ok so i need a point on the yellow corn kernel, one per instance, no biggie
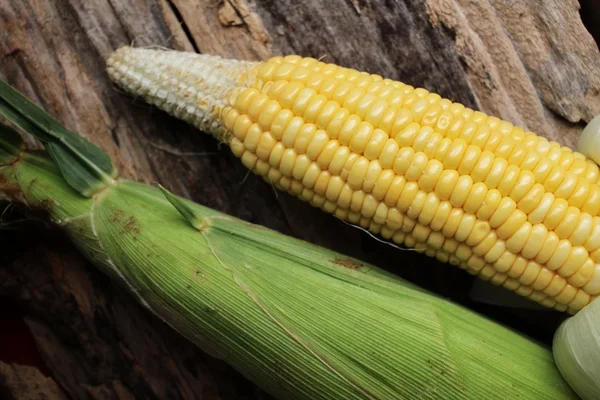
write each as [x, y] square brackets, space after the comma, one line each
[360, 137]
[268, 113]
[424, 137]
[383, 183]
[388, 154]
[265, 145]
[531, 273]
[417, 205]
[452, 223]
[517, 241]
[580, 300]
[416, 167]
[326, 114]
[592, 204]
[334, 188]
[301, 167]
[505, 262]
[310, 176]
[380, 215]
[489, 205]
[583, 230]
[483, 166]
[556, 213]
[394, 191]
[280, 123]
[441, 216]
[593, 285]
[516, 219]
[475, 198]
[374, 170]
[369, 206]
[583, 275]
[563, 296]
[317, 144]
[352, 158]
[242, 100]
[446, 183]
[339, 159]
[358, 172]
[504, 210]
[461, 191]
[256, 106]
[560, 255]
[304, 137]
[518, 267]
[567, 186]
[497, 170]
[465, 227]
[509, 180]
[531, 200]
[497, 250]
[427, 212]
[430, 175]
[293, 128]
[568, 224]
[486, 244]
[327, 154]
[302, 100]
[403, 160]
[432, 145]
[469, 160]
[249, 160]
[444, 121]
[394, 219]
[375, 145]
[237, 147]
[523, 185]
[288, 159]
[407, 196]
[314, 107]
[576, 258]
[262, 168]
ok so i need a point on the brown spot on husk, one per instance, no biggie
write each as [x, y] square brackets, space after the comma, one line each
[130, 226]
[347, 263]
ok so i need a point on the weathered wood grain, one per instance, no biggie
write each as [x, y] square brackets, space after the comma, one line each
[531, 62]
[27, 383]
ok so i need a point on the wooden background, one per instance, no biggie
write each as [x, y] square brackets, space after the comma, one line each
[529, 61]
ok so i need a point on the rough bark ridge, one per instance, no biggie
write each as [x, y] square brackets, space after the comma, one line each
[530, 62]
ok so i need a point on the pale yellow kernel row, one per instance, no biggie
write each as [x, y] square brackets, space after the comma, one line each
[429, 111]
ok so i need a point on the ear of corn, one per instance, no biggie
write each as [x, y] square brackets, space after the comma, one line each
[419, 170]
[300, 321]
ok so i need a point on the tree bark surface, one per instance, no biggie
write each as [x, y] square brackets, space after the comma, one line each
[531, 62]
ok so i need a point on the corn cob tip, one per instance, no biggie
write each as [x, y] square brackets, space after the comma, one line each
[193, 87]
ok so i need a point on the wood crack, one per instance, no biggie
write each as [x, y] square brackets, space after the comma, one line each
[183, 24]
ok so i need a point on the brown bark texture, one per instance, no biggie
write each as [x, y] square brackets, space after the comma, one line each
[528, 61]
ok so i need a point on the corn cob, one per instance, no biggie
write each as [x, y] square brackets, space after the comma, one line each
[419, 170]
[279, 310]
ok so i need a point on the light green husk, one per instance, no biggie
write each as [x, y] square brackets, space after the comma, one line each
[300, 321]
[576, 349]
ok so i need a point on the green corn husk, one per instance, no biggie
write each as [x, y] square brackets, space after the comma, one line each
[300, 321]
